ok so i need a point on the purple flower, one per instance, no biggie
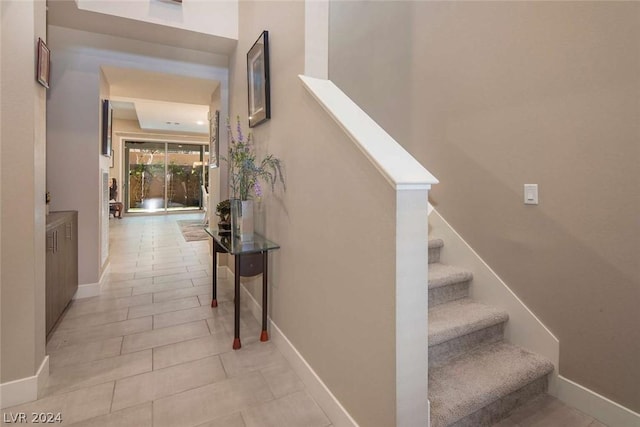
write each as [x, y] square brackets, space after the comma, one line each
[239, 129]
[257, 189]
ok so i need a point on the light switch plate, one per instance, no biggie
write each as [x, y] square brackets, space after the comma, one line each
[531, 194]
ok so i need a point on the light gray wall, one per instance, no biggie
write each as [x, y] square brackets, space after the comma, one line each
[332, 290]
[22, 192]
[74, 159]
[489, 96]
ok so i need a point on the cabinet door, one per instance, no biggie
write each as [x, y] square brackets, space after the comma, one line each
[52, 280]
[71, 257]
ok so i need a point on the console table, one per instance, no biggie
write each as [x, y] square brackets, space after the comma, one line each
[251, 259]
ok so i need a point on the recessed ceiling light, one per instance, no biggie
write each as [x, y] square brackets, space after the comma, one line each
[199, 122]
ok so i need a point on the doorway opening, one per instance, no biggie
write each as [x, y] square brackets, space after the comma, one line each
[164, 176]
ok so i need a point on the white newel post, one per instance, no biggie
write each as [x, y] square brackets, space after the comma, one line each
[411, 307]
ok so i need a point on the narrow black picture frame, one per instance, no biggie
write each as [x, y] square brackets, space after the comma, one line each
[43, 67]
[258, 87]
[106, 128]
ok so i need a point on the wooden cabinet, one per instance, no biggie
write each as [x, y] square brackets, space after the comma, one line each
[61, 264]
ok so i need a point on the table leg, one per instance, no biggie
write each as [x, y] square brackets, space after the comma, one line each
[264, 336]
[214, 280]
[236, 320]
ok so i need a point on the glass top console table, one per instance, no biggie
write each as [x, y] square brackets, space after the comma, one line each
[251, 259]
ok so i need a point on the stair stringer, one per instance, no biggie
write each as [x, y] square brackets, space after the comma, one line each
[523, 329]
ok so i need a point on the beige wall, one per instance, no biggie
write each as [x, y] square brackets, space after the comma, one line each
[331, 282]
[73, 132]
[22, 192]
[489, 96]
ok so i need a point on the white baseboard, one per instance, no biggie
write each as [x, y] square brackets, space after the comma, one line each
[88, 290]
[24, 390]
[599, 407]
[313, 383]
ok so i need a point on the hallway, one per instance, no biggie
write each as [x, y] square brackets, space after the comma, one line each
[149, 351]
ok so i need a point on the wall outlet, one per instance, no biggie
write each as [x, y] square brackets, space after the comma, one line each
[531, 194]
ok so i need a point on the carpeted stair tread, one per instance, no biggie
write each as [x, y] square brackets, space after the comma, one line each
[442, 275]
[461, 317]
[471, 381]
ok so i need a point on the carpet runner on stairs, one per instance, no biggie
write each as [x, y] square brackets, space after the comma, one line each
[475, 378]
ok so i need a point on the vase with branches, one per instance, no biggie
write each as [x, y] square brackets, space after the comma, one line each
[246, 171]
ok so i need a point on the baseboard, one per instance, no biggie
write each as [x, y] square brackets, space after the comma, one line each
[593, 404]
[314, 385]
[92, 289]
[88, 290]
[24, 390]
[523, 328]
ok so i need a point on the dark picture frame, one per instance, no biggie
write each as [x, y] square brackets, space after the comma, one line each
[259, 95]
[106, 128]
[43, 70]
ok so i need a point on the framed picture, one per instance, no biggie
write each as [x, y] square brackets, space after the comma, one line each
[106, 128]
[43, 71]
[258, 80]
[214, 140]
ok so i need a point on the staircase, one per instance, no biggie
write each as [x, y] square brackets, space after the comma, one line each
[475, 378]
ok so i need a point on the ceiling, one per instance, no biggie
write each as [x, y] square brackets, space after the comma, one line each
[160, 102]
[65, 13]
[162, 116]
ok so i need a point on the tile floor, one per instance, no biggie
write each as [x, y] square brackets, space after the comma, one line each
[547, 411]
[149, 351]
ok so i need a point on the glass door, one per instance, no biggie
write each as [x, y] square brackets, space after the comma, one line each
[184, 176]
[162, 176]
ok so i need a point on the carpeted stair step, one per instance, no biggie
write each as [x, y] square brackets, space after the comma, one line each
[447, 283]
[460, 326]
[480, 387]
[434, 250]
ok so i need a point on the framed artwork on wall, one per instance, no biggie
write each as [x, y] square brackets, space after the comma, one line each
[43, 71]
[214, 140]
[106, 128]
[258, 81]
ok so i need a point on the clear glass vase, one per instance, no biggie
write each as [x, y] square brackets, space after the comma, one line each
[242, 219]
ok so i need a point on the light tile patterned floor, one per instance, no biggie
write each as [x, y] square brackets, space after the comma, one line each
[149, 351]
[547, 411]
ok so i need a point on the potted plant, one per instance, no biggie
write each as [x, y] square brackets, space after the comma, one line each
[245, 173]
[223, 211]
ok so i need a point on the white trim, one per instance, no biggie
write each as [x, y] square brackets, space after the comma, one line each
[591, 403]
[314, 384]
[316, 39]
[26, 389]
[399, 168]
[523, 329]
[43, 375]
[411, 307]
[88, 290]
